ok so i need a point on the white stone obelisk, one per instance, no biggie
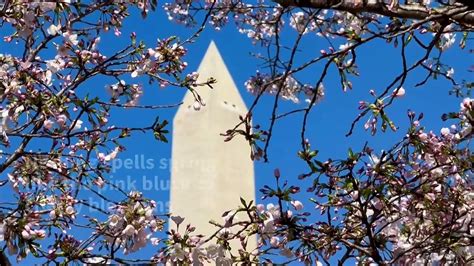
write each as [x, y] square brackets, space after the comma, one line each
[209, 175]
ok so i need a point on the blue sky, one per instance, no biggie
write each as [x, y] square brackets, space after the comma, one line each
[378, 64]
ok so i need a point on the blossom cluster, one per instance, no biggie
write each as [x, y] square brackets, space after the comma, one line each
[289, 89]
[132, 224]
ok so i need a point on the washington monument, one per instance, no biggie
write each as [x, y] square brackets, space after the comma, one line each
[209, 175]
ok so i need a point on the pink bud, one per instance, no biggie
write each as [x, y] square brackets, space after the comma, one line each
[276, 172]
[197, 106]
[117, 32]
[129, 230]
[177, 219]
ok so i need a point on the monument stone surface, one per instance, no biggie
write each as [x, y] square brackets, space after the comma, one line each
[208, 175]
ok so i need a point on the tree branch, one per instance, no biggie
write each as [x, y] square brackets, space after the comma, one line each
[4, 260]
[459, 13]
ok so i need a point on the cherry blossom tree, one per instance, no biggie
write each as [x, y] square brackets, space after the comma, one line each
[411, 203]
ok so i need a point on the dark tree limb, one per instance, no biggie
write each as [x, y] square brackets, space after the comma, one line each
[4, 260]
[461, 13]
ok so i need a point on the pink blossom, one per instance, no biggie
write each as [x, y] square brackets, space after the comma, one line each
[48, 124]
[61, 120]
[399, 92]
[274, 241]
[114, 220]
[445, 131]
[129, 230]
[423, 136]
[70, 210]
[154, 241]
[54, 30]
[25, 234]
[78, 125]
[297, 205]
[71, 38]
